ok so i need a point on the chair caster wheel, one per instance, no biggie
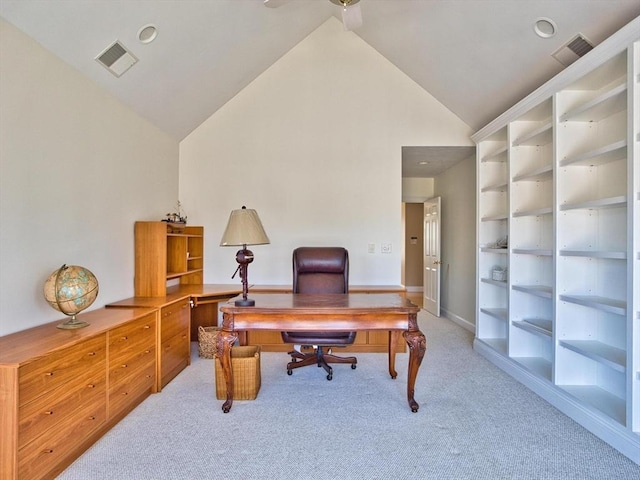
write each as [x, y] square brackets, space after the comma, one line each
[353, 366]
[289, 372]
[329, 377]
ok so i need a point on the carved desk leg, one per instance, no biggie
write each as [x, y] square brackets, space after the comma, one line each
[417, 347]
[393, 346]
[224, 342]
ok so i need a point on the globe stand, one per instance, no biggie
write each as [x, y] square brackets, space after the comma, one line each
[72, 324]
[70, 290]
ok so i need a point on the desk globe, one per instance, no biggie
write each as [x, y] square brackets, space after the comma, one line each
[71, 289]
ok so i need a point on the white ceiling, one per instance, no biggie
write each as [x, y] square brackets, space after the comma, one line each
[477, 57]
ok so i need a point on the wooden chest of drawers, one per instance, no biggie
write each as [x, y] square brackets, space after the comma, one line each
[60, 390]
[174, 326]
[61, 401]
[132, 363]
[175, 339]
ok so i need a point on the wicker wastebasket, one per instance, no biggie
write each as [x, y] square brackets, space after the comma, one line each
[207, 341]
[245, 362]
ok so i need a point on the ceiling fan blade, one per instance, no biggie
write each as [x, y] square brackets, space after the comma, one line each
[275, 3]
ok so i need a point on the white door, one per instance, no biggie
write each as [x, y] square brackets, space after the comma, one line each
[432, 256]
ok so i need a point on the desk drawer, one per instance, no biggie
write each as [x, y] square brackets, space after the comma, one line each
[46, 412]
[38, 458]
[175, 356]
[174, 319]
[127, 391]
[133, 336]
[124, 366]
[50, 372]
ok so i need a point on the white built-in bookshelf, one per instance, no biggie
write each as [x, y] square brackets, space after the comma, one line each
[558, 192]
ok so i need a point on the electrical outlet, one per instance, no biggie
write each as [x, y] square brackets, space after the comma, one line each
[371, 248]
[385, 247]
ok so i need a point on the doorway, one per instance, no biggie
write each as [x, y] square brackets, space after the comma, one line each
[413, 268]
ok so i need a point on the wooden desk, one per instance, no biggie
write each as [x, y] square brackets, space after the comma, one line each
[367, 341]
[204, 300]
[302, 312]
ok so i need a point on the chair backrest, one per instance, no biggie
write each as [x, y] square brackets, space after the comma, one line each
[320, 270]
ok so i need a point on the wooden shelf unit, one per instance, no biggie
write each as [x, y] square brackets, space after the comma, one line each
[567, 321]
[164, 252]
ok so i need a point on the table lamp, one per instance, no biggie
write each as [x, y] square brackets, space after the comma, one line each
[244, 228]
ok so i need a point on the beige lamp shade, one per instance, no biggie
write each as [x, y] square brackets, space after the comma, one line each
[244, 228]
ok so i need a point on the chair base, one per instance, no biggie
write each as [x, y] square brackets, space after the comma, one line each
[318, 357]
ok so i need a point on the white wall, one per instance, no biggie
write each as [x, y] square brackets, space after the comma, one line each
[457, 188]
[314, 144]
[417, 190]
[77, 168]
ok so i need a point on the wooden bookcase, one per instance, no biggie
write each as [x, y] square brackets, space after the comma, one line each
[164, 252]
[559, 176]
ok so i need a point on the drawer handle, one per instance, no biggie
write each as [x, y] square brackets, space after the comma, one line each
[92, 417]
[125, 393]
[124, 365]
[91, 354]
[146, 327]
[49, 412]
[91, 385]
[147, 351]
[125, 338]
[50, 450]
[48, 374]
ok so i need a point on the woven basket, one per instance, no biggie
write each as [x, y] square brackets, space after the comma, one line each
[207, 341]
[245, 362]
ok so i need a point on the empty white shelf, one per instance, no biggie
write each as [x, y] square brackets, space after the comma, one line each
[599, 156]
[603, 106]
[537, 290]
[603, 304]
[611, 202]
[499, 313]
[612, 357]
[540, 326]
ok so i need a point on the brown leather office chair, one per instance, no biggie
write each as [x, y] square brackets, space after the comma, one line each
[320, 270]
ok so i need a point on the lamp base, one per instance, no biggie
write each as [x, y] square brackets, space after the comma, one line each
[245, 302]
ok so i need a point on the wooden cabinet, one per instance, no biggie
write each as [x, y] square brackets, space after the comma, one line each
[163, 253]
[132, 363]
[61, 401]
[175, 339]
[174, 325]
[57, 387]
[559, 177]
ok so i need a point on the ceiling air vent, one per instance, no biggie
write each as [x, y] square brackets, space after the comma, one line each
[116, 58]
[575, 48]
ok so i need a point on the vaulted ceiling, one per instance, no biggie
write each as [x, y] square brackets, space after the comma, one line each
[477, 57]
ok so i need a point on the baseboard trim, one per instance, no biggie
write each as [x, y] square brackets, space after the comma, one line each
[417, 289]
[601, 426]
[467, 325]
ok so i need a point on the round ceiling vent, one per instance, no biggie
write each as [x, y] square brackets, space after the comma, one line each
[545, 27]
[148, 33]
